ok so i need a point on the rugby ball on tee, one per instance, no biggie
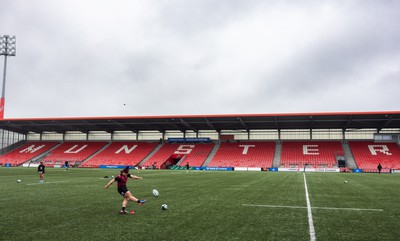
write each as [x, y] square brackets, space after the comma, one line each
[156, 193]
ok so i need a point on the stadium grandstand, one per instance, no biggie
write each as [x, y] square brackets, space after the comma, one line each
[340, 141]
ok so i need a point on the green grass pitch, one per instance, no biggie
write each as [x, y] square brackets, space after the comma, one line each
[203, 205]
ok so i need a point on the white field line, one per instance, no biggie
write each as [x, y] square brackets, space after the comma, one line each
[29, 184]
[351, 209]
[310, 219]
[326, 208]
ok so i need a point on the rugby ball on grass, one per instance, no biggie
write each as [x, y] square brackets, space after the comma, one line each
[164, 207]
[155, 193]
[18, 181]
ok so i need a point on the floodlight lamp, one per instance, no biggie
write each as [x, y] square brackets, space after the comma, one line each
[3, 38]
[12, 40]
[7, 45]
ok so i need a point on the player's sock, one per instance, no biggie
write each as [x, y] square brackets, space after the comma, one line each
[123, 209]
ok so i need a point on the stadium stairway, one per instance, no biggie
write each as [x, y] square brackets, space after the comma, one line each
[211, 155]
[23, 154]
[150, 155]
[181, 161]
[350, 162]
[97, 152]
[277, 155]
[43, 155]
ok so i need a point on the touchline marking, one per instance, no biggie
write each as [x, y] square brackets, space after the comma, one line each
[326, 208]
[29, 184]
[351, 209]
[310, 220]
[271, 206]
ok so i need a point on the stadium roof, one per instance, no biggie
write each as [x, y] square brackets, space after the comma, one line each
[329, 120]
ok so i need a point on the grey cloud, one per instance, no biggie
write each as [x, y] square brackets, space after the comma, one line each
[339, 61]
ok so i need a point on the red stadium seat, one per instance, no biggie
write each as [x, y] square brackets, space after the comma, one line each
[315, 153]
[368, 154]
[26, 152]
[244, 154]
[194, 154]
[72, 152]
[121, 153]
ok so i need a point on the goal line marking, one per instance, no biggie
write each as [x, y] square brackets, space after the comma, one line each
[325, 208]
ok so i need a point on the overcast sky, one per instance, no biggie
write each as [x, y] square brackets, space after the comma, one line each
[168, 57]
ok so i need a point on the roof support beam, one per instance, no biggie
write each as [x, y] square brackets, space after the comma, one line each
[390, 118]
[188, 125]
[211, 125]
[243, 124]
[348, 122]
[173, 124]
[276, 123]
[120, 124]
[311, 122]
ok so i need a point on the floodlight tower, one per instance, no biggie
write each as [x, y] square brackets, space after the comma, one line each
[7, 48]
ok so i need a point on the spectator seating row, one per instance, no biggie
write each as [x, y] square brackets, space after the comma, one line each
[367, 154]
[244, 154]
[198, 155]
[121, 153]
[194, 154]
[316, 154]
[26, 152]
[72, 152]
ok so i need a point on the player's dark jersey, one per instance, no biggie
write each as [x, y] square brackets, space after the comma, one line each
[121, 180]
[41, 168]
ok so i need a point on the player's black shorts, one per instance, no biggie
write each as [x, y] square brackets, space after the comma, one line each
[40, 172]
[122, 190]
